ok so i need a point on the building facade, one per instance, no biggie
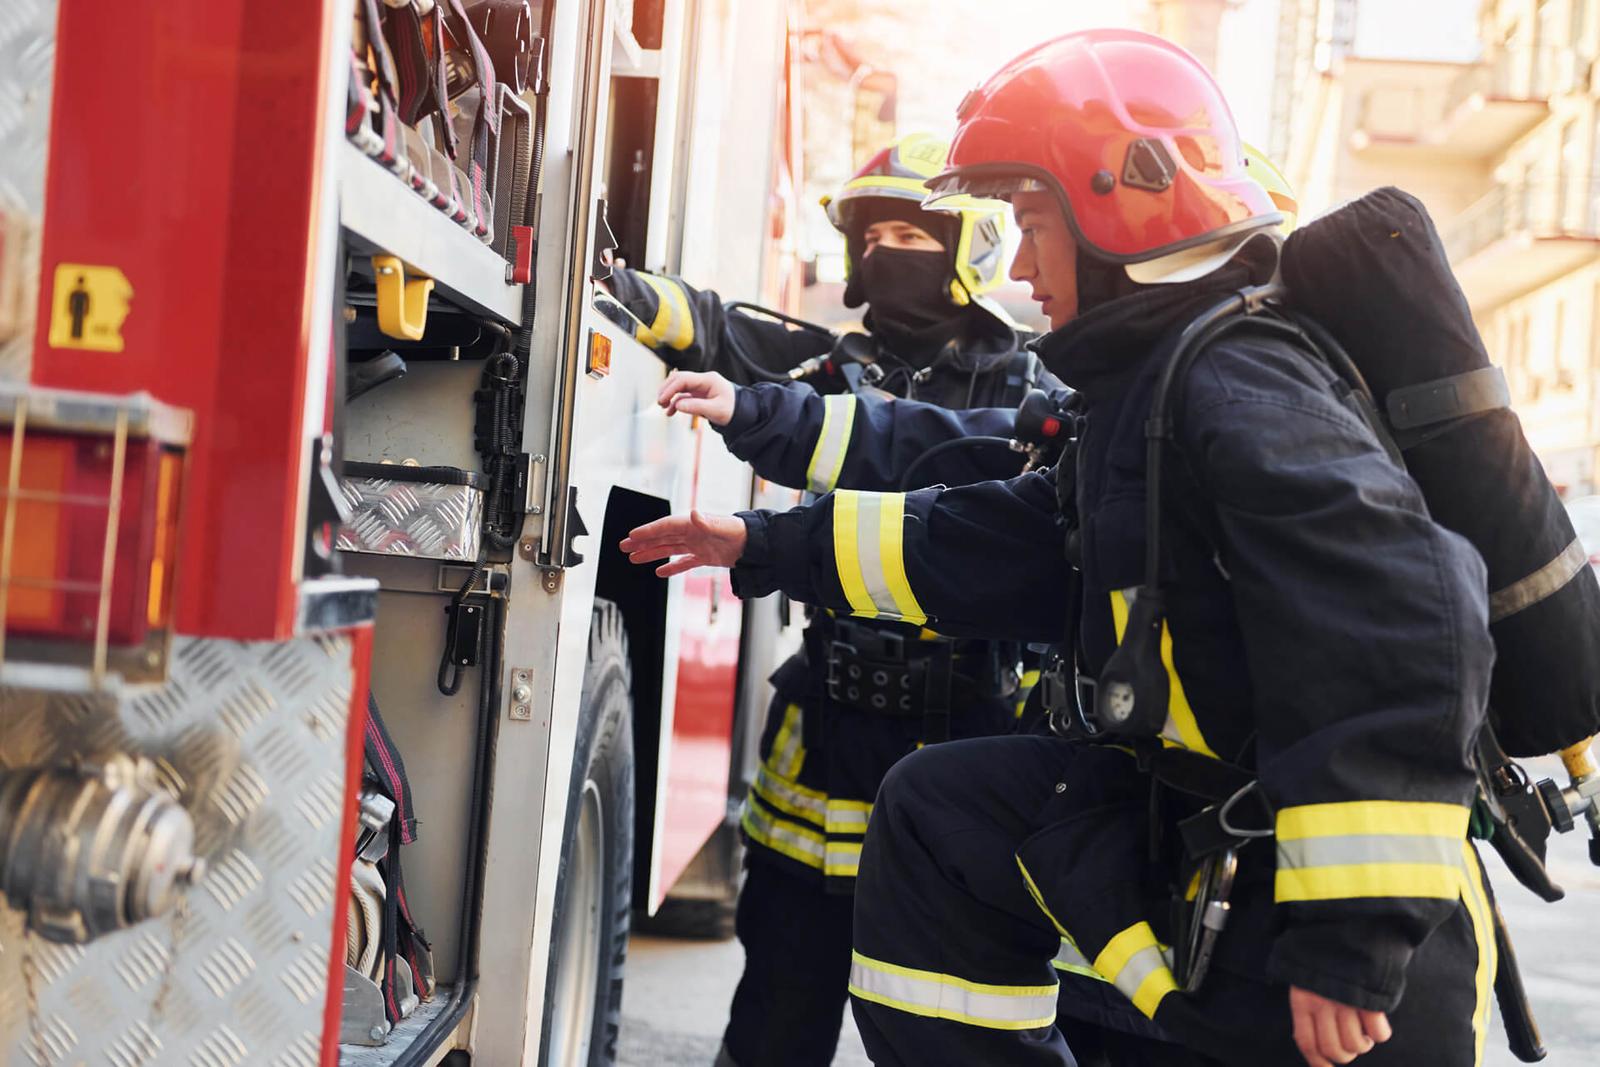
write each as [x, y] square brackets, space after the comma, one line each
[1505, 152]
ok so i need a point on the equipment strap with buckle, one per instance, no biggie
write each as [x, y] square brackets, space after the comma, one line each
[880, 672]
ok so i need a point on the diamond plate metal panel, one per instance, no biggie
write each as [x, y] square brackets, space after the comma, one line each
[251, 737]
[406, 518]
[27, 65]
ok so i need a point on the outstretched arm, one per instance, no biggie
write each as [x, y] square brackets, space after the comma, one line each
[689, 328]
[796, 437]
[984, 560]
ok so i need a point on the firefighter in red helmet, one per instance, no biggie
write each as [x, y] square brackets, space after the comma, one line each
[1290, 656]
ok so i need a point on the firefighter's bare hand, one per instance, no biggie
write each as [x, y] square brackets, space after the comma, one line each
[698, 393]
[686, 542]
[1329, 1032]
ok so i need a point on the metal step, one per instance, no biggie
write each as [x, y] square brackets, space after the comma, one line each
[402, 1037]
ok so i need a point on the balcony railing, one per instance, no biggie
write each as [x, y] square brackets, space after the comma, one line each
[1541, 208]
[1521, 74]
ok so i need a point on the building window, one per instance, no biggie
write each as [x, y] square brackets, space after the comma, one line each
[1573, 185]
[1578, 26]
[1592, 191]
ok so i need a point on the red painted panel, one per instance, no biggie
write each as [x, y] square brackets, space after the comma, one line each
[186, 140]
[696, 795]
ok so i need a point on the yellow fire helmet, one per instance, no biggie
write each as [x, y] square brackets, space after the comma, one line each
[1267, 175]
[900, 172]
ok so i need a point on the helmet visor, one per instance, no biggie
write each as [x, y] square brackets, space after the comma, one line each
[960, 190]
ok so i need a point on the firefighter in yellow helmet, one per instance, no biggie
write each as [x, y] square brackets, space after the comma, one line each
[863, 693]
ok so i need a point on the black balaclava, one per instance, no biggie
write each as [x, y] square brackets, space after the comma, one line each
[1100, 282]
[907, 291]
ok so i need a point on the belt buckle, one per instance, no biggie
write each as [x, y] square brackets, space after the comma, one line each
[838, 650]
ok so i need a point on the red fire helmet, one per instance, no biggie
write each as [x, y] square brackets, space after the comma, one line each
[1129, 131]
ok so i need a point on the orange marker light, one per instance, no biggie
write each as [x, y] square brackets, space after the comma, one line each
[599, 354]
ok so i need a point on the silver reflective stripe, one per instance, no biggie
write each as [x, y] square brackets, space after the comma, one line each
[1368, 848]
[785, 797]
[797, 844]
[1071, 960]
[827, 460]
[1546, 581]
[869, 519]
[843, 859]
[1140, 965]
[942, 996]
[847, 817]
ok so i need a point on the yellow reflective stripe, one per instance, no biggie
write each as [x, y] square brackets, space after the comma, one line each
[1476, 898]
[944, 996]
[788, 798]
[846, 517]
[1071, 960]
[891, 544]
[1024, 688]
[1182, 730]
[842, 859]
[788, 752]
[1038, 898]
[1353, 880]
[673, 325]
[847, 816]
[1133, 961]
[799, 844]
[1351, 817]
[868, 183]
[869, 552]
[827, 459]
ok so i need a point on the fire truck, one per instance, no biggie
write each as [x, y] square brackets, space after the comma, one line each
[317, 435]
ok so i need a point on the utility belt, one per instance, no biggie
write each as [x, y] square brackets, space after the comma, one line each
[879, 671]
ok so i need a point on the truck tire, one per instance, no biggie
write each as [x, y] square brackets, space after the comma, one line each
[589, 931]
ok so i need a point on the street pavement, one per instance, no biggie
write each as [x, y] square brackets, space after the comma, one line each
[677, 992]
[675, 1004]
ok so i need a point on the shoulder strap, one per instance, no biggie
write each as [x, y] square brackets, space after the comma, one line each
[1022, 374]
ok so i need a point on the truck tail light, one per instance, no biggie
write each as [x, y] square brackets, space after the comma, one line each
[89, 496]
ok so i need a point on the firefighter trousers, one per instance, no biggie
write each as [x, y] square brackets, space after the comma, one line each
[803, 823]
[956, 958]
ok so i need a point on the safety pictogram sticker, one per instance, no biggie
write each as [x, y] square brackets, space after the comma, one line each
[88, 306]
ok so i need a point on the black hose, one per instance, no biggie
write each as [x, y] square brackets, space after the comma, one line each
[906, 480]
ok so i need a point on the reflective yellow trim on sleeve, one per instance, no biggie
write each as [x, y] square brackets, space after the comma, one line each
[1364, 817]
[1369, 848]
[891, 548]
[846, 523]
[673, 324]
[833, 443]
[1182, 730]
[1134, 962]
[1356, 880]
[932, 995]
[869, 552]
